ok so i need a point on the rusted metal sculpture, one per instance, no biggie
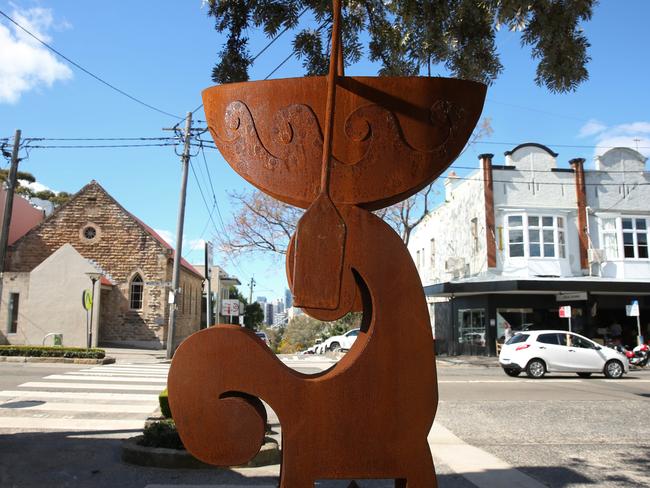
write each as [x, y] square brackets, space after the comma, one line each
[339, 147]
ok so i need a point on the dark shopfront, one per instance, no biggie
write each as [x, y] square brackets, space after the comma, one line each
[472, 319]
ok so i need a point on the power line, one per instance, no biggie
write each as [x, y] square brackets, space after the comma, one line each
[96, 146]
[29, 139]
[77, 65]
[510, 168]
[551, 183]
[205, 202]
[207, 169]
[268, 45]
[583, 146]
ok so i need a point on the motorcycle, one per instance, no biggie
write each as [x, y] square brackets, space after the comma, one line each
[638, 357]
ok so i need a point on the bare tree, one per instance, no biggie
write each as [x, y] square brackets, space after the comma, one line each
[262, 224]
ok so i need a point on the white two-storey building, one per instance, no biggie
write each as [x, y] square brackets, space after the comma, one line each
[514, 242]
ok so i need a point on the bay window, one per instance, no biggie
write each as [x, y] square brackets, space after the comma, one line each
[536, 236]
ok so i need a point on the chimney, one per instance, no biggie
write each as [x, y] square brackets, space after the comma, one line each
[581, 197]
[488, 196]
[449, 186]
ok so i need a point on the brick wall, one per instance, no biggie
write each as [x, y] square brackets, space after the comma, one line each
[121, 247]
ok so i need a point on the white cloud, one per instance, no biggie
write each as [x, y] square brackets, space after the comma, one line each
[167, 235]
[25, 64]
[189, 245]
[591, 128]
[635, 135]
[195, 244]
[632, 141]
[36, 186]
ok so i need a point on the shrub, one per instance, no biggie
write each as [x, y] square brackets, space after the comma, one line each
[163, 399]
[52, 352]
[161, 434]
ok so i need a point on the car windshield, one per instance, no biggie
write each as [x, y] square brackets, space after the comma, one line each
[517, 338]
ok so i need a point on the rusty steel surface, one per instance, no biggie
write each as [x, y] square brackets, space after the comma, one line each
[370, 414]
[391, 136]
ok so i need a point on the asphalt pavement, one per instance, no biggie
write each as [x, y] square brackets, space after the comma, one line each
[62, 426]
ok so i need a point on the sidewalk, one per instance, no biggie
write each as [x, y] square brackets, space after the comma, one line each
[127, 355]
[476, 361]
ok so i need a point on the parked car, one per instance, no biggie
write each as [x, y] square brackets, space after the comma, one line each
[264, 337]
[344, 341]
[556, 351]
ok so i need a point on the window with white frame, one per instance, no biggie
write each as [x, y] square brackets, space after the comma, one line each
[516, 236]
[536, 236]
[610, 237]
[624, 237]
[635, 237]
[432, 253]
[417, 259]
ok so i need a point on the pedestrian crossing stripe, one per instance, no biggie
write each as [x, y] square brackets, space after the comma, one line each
[74, 395]
[116, 379]
[76, 424]
[38, 406]
[88, 386]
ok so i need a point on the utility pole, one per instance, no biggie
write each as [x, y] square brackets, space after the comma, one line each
[173, 295]
[9, 205]
[251, 286]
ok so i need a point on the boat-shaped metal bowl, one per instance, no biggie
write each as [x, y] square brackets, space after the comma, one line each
[392, 135]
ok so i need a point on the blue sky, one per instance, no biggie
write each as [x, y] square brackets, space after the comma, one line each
[163, 53]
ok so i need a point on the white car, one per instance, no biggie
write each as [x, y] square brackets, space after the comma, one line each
[344, 341]
[557, 351]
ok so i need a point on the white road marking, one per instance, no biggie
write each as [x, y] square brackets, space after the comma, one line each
[81, 407]
[87, 386]
[124, 370]
[116, 379]
[548, 380]
[120, 373]
[75, 424]
[37, 395]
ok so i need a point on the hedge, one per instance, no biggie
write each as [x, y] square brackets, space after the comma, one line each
[52, 352]
[161, 434]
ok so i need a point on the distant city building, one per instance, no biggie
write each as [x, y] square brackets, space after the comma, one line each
[288, 298]
[293, 312]
[278, 306]
[280, 319]
[268, 314]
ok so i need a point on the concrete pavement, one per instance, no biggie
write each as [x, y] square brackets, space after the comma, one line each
[490, 430]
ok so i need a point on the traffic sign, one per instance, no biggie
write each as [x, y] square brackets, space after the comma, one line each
[632, 310]
[87, 299]
[565, 312]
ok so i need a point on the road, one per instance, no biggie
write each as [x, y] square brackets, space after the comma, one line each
[562, 430]
[62, 425]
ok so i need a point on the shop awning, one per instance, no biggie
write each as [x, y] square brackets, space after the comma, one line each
[593, 285]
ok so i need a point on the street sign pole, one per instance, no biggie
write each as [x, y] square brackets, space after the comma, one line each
[570, 324]
[634, 311]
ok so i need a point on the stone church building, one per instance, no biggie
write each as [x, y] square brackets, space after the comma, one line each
[45, 279]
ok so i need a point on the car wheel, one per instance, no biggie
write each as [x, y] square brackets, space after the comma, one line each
[512, 372]
[613, 369]
[536, 368]
[335, 346]
[584, 375]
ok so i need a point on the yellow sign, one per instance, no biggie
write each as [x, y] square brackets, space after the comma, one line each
[87, 299]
